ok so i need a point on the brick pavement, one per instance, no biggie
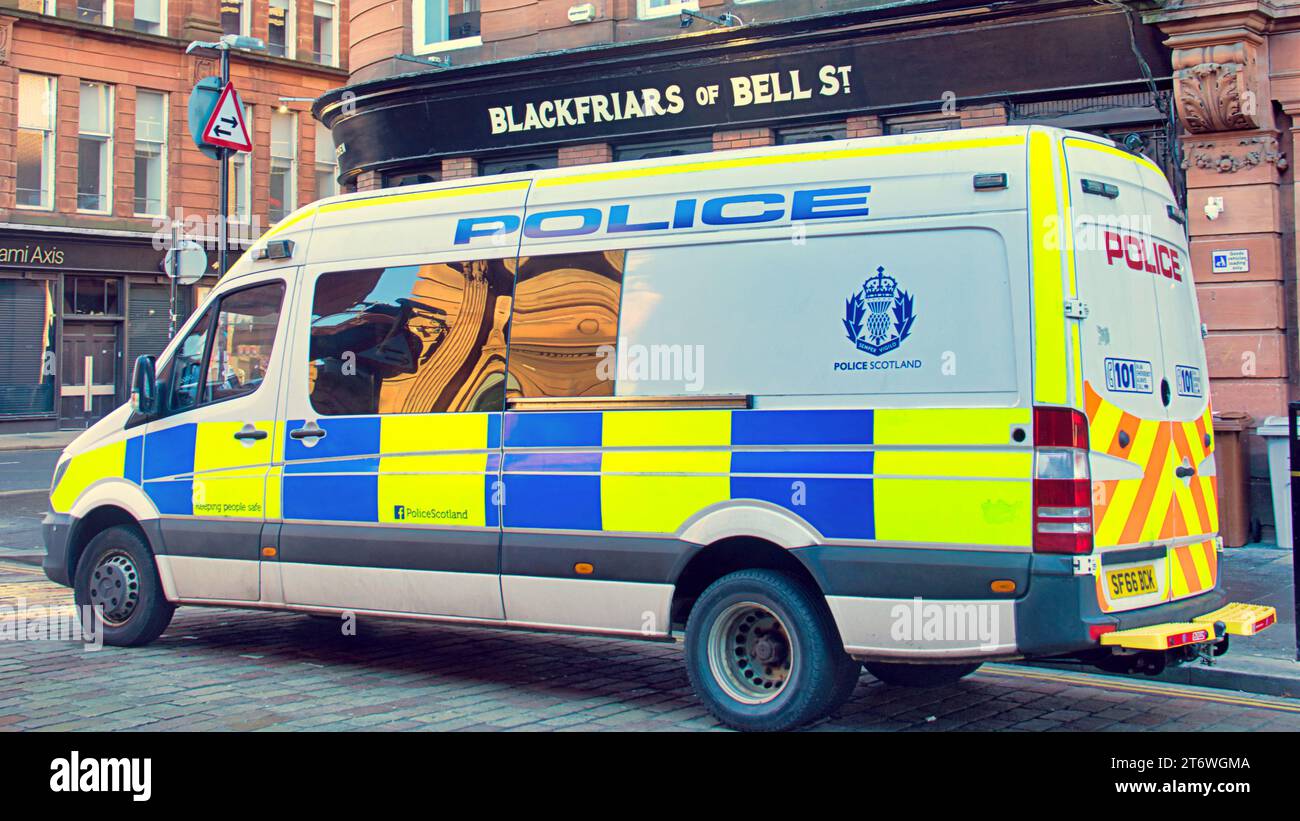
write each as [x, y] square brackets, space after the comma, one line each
[220, 669]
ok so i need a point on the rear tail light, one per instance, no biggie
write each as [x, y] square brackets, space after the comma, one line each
[1062, 483]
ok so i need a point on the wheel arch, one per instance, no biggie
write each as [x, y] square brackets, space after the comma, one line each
[96, 521]
[728, 555]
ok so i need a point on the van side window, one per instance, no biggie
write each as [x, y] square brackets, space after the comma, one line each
[242, 341]
[410, 339]
[564, 326]
[209, 367]
[185, 369]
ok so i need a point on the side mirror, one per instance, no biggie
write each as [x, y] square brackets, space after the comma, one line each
[144, 386]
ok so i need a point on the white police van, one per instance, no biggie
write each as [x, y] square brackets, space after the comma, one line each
[916, 402]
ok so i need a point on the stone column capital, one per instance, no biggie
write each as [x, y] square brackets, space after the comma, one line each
[1217, 85]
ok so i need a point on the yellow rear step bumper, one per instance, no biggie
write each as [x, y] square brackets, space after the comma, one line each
[1239, 619]
[1242, 619]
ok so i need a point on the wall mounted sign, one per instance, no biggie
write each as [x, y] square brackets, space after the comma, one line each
[1231, 261]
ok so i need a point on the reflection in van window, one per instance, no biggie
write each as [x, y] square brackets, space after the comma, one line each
[243, 341]
[565, 325]
[183, 370]
[410, 339]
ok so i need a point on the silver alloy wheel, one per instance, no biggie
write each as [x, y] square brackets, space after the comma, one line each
[750, 653]
[115, 586]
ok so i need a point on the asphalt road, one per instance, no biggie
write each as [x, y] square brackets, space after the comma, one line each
[24, 498]
[27, 469]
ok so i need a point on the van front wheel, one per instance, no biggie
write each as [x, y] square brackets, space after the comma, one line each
[919, 675]
[117, 578]
[762, 652]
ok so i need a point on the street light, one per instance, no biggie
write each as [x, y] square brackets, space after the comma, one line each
[224, 45]
[284, 102]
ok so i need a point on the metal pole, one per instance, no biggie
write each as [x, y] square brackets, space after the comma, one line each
[223, 239]
[173, 253]
[1293, 447]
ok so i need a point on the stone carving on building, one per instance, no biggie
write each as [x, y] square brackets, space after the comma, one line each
[1250, 152]
[204, 67]
[6, 38]
[1215, 88]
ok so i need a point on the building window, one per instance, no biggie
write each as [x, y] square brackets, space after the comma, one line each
[238, 188]
[280, 29]
[36, 102]
[324, 32]
[399, 179]
[239, 183]
[663, 148]
[649, 9]
[327, 165]
[519, 163]
[49, 7]
[95, 12]
[95, 149]
[92, 296]
[27, 314]
[150, 153]
[410, 339]
[812, 134]
[233, 19]
[907, 125]
[443, 25]
[151, 16]
[284, 157]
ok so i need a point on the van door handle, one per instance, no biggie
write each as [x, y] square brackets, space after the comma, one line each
[1184, 471]
[248, 432]
[308, 431]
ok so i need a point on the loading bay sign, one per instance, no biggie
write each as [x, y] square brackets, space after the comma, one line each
[1232, 261]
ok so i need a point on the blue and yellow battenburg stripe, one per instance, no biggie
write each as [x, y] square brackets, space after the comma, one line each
[928, 476]
[436, 469]
[885, 475]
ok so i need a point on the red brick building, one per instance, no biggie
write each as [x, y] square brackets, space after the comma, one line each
[96, 159]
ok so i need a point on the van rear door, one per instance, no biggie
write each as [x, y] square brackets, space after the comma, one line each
[1123, 362]
[1193, 511]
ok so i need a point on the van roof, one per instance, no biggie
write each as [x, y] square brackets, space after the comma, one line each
[300, 221]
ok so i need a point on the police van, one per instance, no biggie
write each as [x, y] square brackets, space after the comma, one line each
[914, 402]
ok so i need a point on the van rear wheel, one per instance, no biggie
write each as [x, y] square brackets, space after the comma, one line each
[117, 577]
[919, 675]
[762, 652]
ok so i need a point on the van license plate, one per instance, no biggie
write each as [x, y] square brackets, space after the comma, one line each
[1132, 581]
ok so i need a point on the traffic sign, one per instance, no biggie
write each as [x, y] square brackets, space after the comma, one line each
[226, 127]
[203, 99]
[186, 263]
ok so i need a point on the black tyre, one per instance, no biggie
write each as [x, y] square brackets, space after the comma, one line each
[846, 682]
[762, 652]
[116, 575]
[919, 675]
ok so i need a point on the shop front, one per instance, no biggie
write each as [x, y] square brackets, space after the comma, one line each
[824, 77]
[76, 310]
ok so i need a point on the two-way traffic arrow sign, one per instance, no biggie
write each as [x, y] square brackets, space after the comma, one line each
[226, 127]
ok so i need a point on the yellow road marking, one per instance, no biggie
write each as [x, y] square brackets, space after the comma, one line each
[1170, 691]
